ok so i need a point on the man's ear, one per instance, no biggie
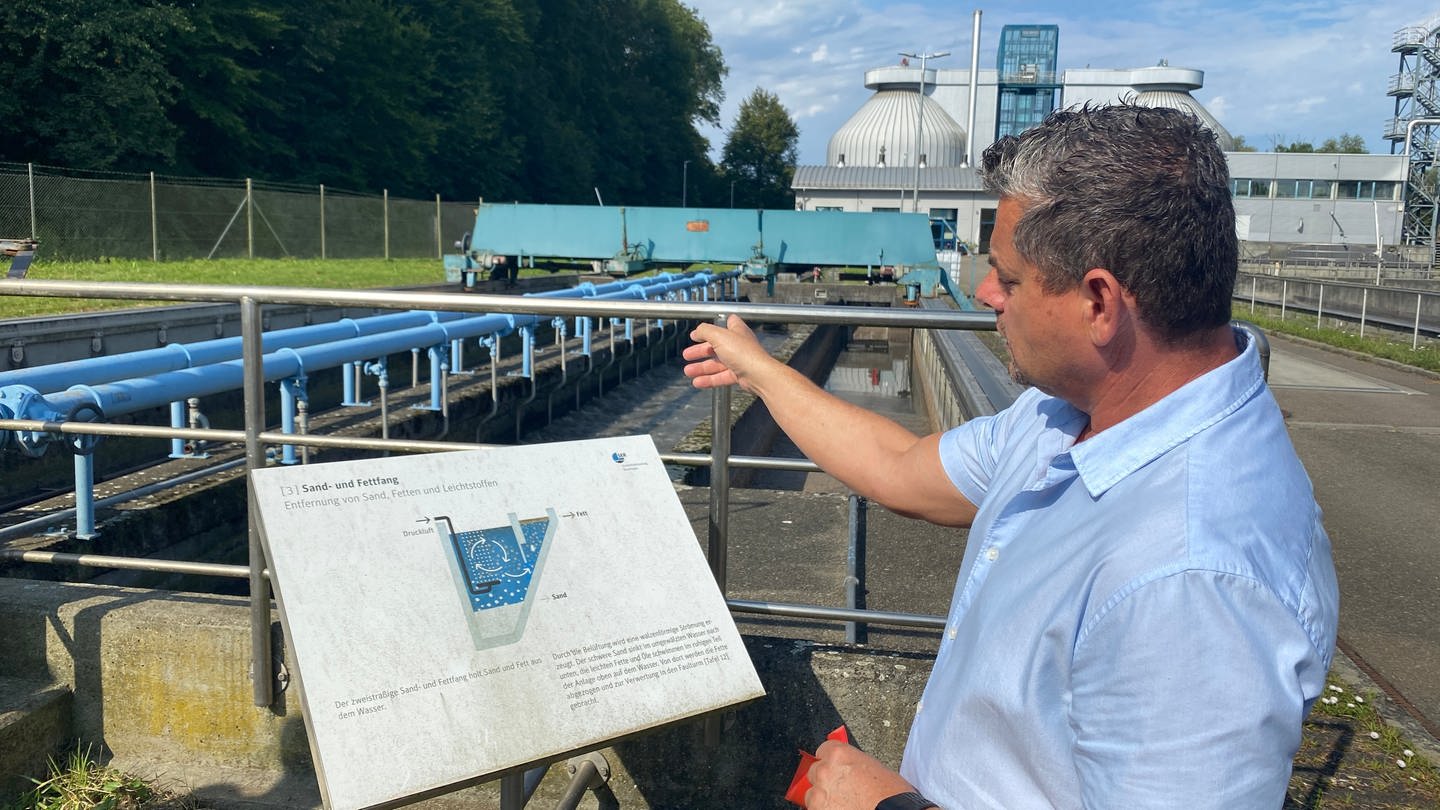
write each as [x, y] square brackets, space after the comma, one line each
[1106, 305]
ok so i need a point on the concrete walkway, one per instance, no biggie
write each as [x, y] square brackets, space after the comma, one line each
[1369, 434]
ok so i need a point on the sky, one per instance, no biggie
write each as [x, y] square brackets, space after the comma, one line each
[1275, 72]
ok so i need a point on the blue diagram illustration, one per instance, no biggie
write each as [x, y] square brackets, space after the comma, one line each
[497, 570]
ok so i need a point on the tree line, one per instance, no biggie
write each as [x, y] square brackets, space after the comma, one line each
[1346, 144]
[553, 101]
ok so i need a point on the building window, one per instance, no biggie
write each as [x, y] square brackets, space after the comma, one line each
[1302, 189]
[1365, 189]
[1247, 187]
[880, 210]
[829, 208]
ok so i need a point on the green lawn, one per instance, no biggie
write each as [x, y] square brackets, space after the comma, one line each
[328, 274]
[1391, 346]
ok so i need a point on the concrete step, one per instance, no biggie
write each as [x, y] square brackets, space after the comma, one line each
[34, 724]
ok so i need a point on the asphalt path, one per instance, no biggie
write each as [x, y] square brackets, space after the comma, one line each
[1369, 434]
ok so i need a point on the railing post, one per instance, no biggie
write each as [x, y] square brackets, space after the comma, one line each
[1320, 309]
[719, 536]
[1364, 305]
[386, 203]
[718, 548]
[855, 569]
[261, 675]
[439, 249]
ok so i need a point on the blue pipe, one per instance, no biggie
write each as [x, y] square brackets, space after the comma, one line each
[175, 356]
[177, 420]
[130, 395]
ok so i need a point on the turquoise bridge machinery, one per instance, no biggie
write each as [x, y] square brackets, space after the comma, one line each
[759, 243]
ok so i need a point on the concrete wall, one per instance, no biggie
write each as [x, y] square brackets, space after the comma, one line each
[159, 679]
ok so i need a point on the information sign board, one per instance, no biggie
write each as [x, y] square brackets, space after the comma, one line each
[455, 615]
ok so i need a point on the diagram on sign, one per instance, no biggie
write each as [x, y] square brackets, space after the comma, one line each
[497, 572]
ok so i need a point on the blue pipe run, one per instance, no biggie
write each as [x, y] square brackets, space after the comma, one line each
[175, 356]
[117, 397]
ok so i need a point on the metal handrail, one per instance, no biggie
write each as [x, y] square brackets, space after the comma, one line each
[250, 299]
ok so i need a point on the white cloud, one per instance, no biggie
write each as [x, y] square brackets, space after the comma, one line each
[820, 54]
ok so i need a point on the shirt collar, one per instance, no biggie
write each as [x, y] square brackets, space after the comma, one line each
[1106, 458]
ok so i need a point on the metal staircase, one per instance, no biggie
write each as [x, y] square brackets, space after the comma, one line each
[1417, 98]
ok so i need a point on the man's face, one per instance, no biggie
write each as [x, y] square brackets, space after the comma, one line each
[1042, 330]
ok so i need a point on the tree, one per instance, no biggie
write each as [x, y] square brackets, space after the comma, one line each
[84, 83]
[1240, 145]
[761, 151]
[1346, 144]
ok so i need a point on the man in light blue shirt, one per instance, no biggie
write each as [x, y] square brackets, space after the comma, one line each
[1147, 605]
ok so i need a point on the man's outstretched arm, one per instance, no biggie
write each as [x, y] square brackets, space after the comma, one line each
[867, 452]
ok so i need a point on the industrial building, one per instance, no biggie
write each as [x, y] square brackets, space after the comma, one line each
[906, 150]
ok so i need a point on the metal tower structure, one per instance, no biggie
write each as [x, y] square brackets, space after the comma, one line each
[1028, 82]
[1416, 126]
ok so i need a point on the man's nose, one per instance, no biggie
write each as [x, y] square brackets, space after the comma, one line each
[988, 291]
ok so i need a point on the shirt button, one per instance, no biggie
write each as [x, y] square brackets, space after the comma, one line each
[951, 633]
[918, 706]
[992, 554]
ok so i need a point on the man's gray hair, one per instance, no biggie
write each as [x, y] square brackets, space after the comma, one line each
[1143, 192]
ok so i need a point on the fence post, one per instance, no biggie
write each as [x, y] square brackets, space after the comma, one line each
[386, 203]
[1364, 304]
[439, 251]
[1415, 340]
[1253, 281]
[34, 229]
[249, 218]
[322, 220]
[154, 224]
[1284, 290]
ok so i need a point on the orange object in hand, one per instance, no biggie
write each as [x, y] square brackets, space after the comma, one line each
[800, 784]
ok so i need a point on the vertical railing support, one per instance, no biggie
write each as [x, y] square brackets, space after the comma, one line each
[261, 675]
[718, 547]
[855, 569]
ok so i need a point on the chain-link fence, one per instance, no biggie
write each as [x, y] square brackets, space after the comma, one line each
[79, 215]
